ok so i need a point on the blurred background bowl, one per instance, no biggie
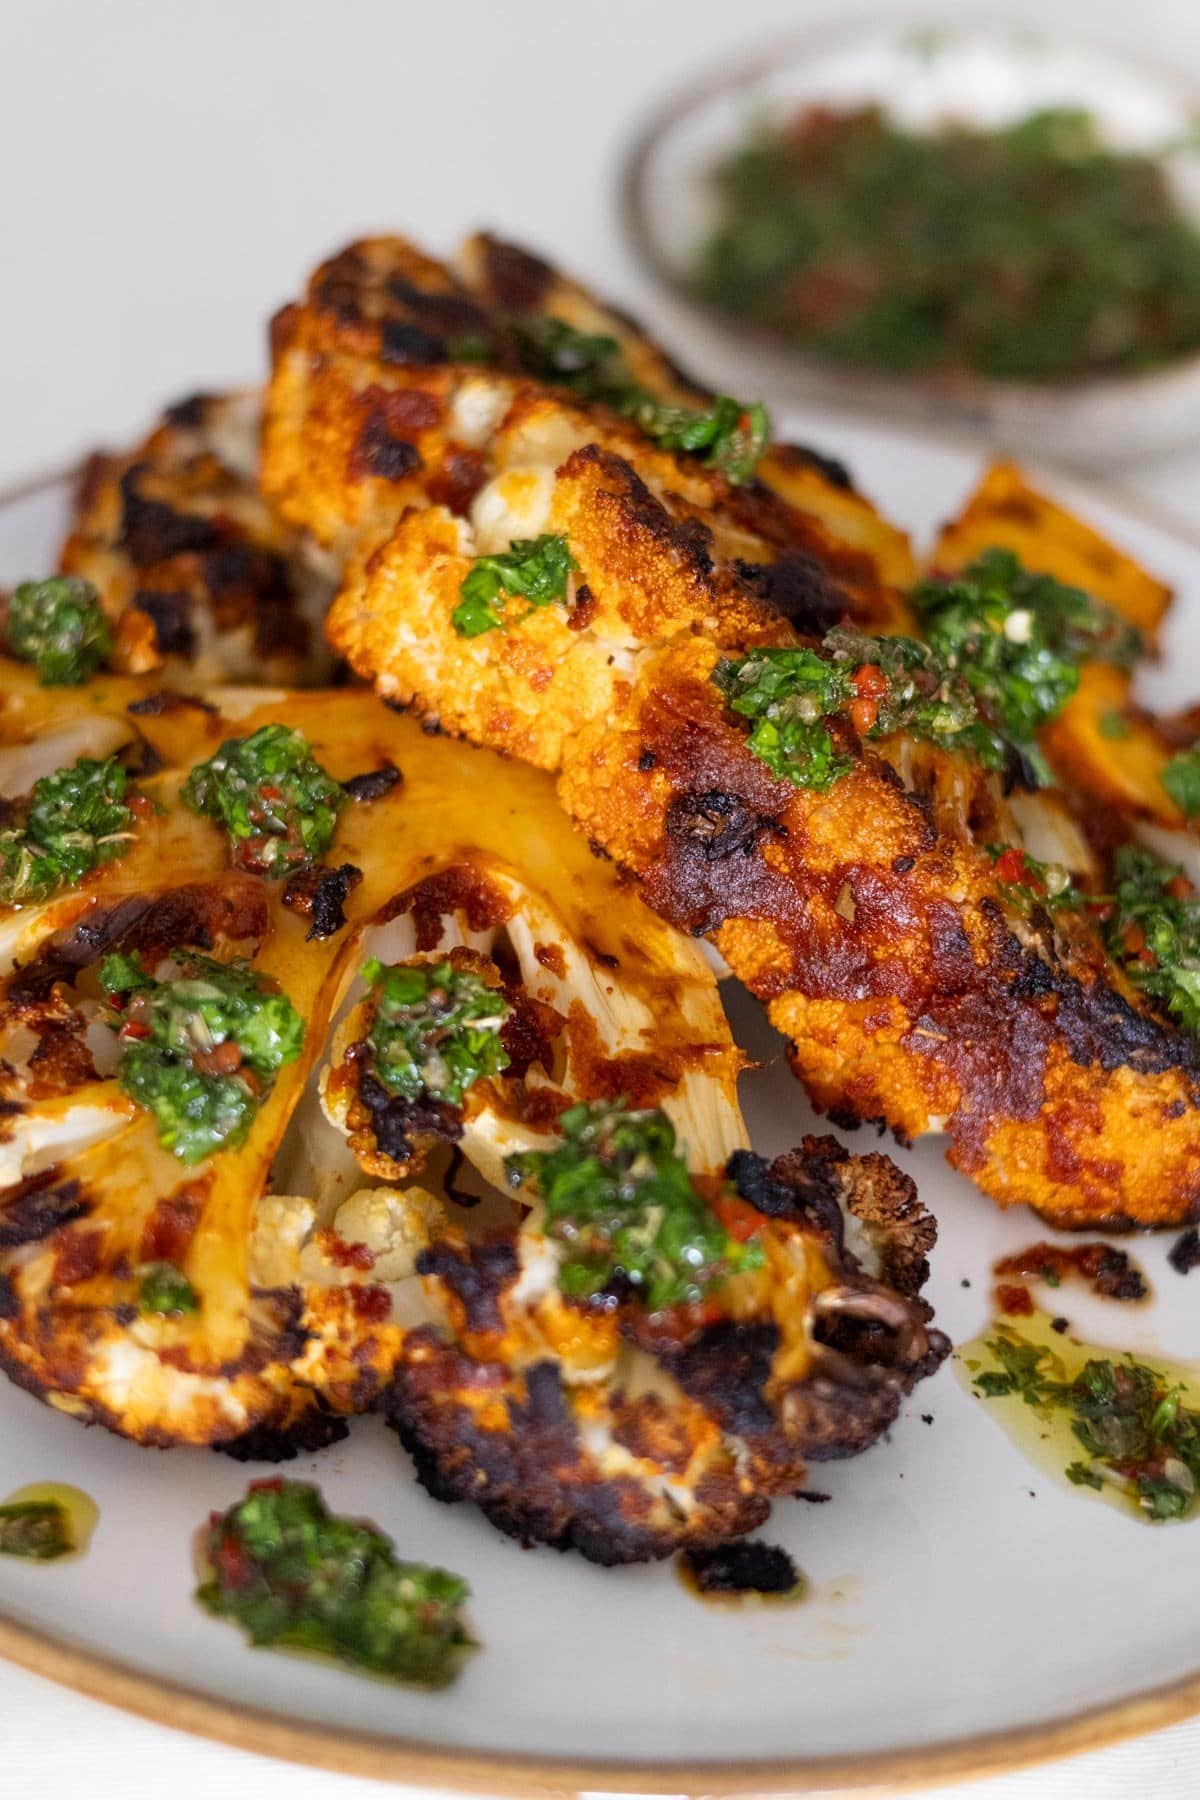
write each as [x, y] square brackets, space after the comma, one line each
[980, 74]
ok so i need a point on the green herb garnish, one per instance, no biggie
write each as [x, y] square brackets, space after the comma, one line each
[277, 803]
[292, 1573]
[436, 1029]
[537, 569]
[199, 1050]
[1181, 778]
[731, 437]
[1025, 882]
[1153, 931]
[1129, 1419]
[39, 1530]
[73, 822]
[1018, 640]
[618, 1196]
[59, 626]
[880, 685]
[1032, 252]
[789, 695]
[166, 1289]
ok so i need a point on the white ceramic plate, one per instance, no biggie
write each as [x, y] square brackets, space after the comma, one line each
[965, 1612]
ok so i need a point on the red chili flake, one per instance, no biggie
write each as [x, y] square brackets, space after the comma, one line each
[233, 1566]
[1011, 868]
[870, 682]
[222, 1059]
[1013, 1299]
[740, 1221]
[132, 1029]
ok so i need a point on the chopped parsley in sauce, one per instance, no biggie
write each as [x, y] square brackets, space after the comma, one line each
[535, 569]
[1018, 639]
[1129, 1419]
[199, 1050]
[278, 805]
[39, 1530]
[74, 821]
[436, 1029]
[1026, 882]
[727, 435]
[60, 627]
[1032, 252]
[1181, 778]
[166, 1289]
[617, 1195]
[291, 1573]
[877, 685]
[1152, 928]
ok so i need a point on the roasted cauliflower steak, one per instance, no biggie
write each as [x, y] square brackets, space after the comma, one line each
[410, 429]
[197, 574]
[347, 1245]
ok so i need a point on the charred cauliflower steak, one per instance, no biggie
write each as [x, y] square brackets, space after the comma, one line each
[195, 571]
[336, 1072]
[556, 546]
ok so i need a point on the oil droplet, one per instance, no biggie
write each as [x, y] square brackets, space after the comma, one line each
[1044, 1432]
[81, 1511]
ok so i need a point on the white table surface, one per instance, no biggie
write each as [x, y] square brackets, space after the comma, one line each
[170, 173]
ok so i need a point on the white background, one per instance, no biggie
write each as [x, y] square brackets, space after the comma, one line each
[170, 172]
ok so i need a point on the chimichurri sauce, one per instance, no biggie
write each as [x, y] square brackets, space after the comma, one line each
[1035, 252]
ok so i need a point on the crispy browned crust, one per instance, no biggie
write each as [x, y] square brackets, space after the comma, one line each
[886, 955]
[836, 539]
[1120, 772]
[194, 568]
[506, 1393]
[748, 1405]
[877, 936]
[248, 1366]
[529, 1473]
[368, 413]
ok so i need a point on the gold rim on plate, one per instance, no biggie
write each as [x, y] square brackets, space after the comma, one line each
[503, 1773]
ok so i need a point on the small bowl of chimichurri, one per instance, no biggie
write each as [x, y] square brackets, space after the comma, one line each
[977, 225]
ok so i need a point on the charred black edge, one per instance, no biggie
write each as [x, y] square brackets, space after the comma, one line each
[398, 1125]
[1184, 1253]
[319, 894]
[372, 784]
[35, 1208]
[609, 1547]
[168, 700]
[745, 1567]
[315, 1430]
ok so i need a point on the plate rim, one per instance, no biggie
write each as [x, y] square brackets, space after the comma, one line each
[413, 1760]
[405, 1760]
